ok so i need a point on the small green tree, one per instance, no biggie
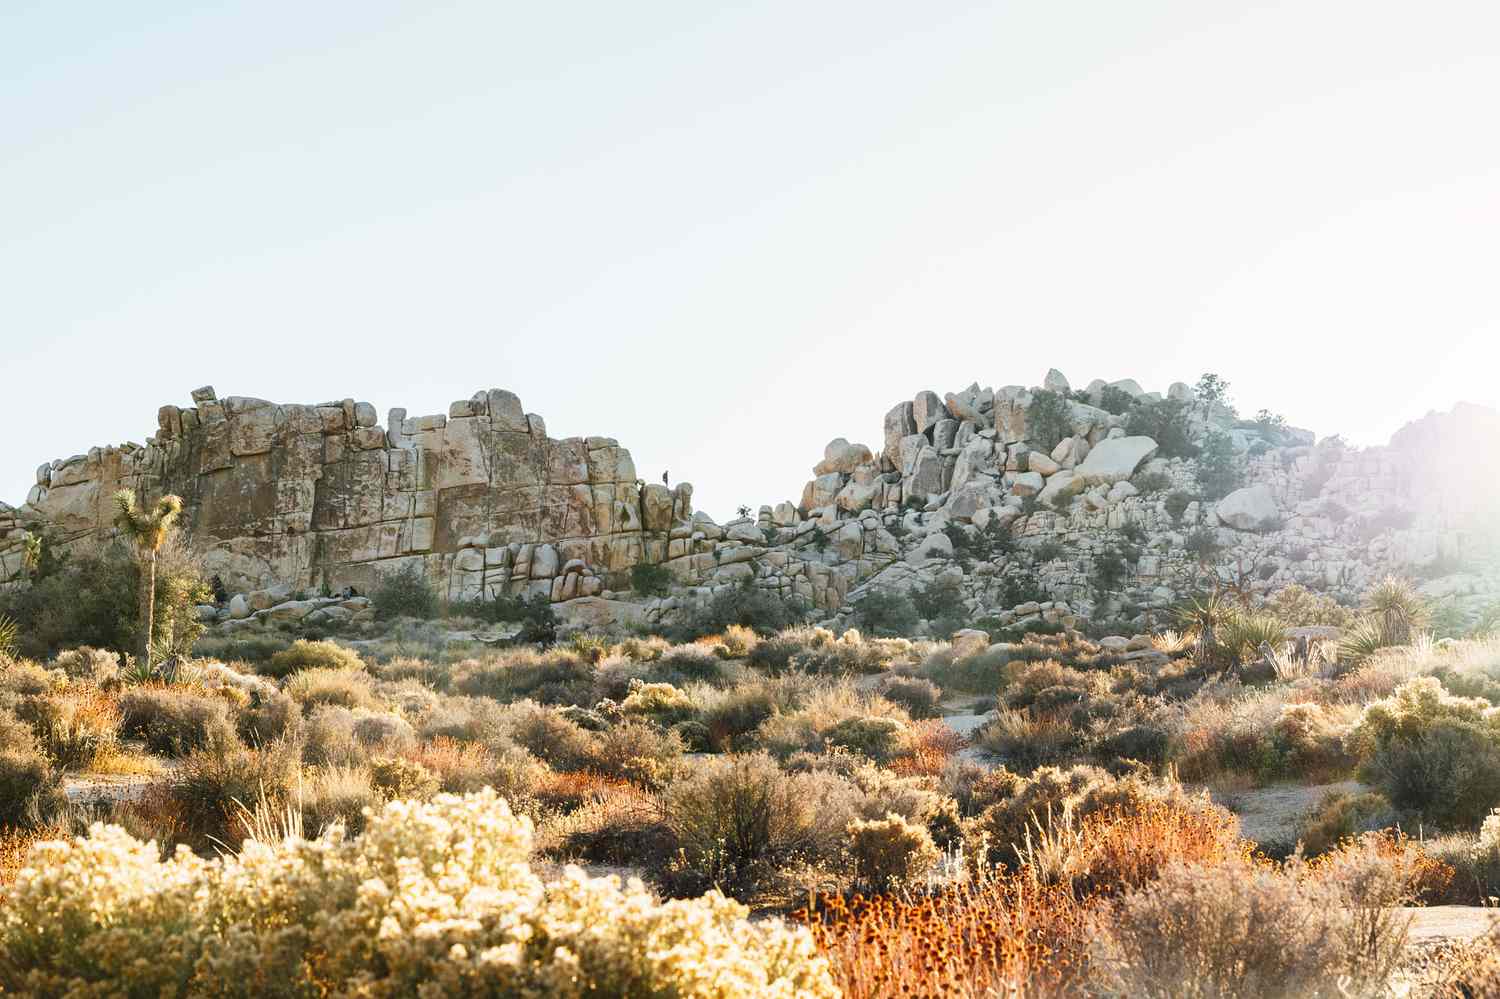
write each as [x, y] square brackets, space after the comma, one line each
[147, 530]
[1212, 391]
[1049, 418]
[1218, 468]
[1165, 422]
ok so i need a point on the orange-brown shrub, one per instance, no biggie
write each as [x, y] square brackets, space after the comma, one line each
[1424, 878]
[929, 746]
[1011, 937]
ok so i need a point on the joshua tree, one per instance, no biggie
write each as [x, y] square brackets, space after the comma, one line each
[148, 531]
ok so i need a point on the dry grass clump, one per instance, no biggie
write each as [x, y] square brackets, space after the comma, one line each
[345, 688]
[76, 726]
[558, 676]
[306, 655]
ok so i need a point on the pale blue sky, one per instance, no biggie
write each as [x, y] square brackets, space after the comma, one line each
[726, 236]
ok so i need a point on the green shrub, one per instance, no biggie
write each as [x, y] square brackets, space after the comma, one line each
[940, 600]
[1218, 469]
[1152, 482]
[550, 737]
[1203, 544]
[1431, 753]
[1342, 815]
[879, 738]
[661, 703]
[304, 655]
[1049, 418]
[746, 605]
[1177, 503]
[650, 580]
[396, 778]
[885, 612]
[1166, 422]
[741, 820]
[30, 789]
[405, 593]
[638, 752]
[94, 599]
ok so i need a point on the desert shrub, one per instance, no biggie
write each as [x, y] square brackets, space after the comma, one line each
[1023, 808]
[747, 605]
[891, 853]
[661, 703]
[919, 697]
[650, 580]
[214, 787]
[97, 666]
[30, 788]
[1218, 469]
[1233, 929]
[1300, 607]
[941, 600]
[1144, 743]
[741, 820]
[616, 824]
[1049, 418]
[774, 654]
[1177, 503]
[75, 727]
[1167, 422]
[189, 926]
[175, 721]
[638, 752]
[424, 671]
[549, 736]
[405, 593]
[343, 688]
[850, 654]
[335, 734]
[1432, 753]
[879, 738]
[809, 725]
[396, 778]
[1341, 815]
[337, 794]
[965, 667]
[730, 718]
[1025, 739]
[270, 716]
[303, 655]
[682, 663]
[558, 676]
[885, 612]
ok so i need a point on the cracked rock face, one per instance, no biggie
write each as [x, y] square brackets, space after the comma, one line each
[480, 498]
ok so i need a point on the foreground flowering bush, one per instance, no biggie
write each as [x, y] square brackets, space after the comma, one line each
[434, 899]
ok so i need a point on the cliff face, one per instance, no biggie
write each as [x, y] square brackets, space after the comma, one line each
[479, 498]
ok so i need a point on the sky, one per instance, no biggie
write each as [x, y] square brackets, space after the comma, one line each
[726, 234]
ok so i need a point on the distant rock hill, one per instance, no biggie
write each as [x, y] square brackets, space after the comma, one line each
[1040, 503]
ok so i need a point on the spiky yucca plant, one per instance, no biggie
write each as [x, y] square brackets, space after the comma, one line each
[9, 632]
[148, 530]
[1399, 608]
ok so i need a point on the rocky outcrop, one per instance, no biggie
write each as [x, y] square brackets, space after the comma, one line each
[289, 497]
[306, 496]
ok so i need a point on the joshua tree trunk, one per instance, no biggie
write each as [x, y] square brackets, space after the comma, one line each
[150, 603]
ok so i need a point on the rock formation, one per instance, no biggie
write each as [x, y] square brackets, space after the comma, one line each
[485, 503]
